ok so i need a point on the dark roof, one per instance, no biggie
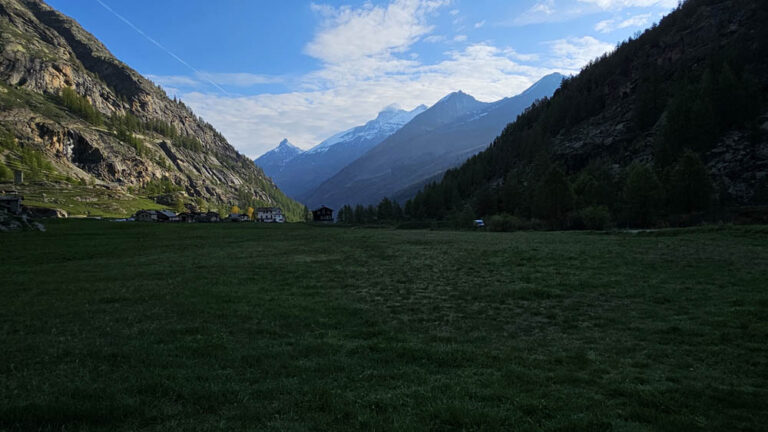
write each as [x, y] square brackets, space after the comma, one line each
[322, 208]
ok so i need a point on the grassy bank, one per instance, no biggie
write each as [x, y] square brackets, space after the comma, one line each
[119, 326]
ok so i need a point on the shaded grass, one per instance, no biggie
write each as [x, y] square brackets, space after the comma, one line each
[79, 200]
[112, 326]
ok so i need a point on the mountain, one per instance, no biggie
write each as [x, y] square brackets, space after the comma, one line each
[669, 129]
[445, 135]
[305, 171]
[273, 161]
[74, 116]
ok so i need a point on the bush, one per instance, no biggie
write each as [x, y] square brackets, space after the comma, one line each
[592, 218]
[5, 173]
[506, 222]
[413, 225]
[8, 140]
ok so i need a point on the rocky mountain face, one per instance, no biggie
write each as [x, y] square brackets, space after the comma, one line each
[119, 130]
[443, 136]
[305, 171]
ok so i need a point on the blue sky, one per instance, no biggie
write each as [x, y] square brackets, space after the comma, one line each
[263, 70]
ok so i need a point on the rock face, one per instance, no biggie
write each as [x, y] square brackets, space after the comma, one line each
[42, 52]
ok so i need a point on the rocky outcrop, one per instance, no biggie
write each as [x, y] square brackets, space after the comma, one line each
[42, 51]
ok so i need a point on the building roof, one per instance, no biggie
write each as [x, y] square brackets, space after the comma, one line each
[321, 208]
[167, 213]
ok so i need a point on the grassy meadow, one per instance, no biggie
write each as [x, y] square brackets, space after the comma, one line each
[127, 326]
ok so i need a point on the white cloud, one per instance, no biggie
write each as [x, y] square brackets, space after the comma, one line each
[551, 11]
[608, 26]
[367, 64]
[479, 24]
[574, 53]
[351, 34]
[255, 124]
[623, 4]
[173, 80]
[434, 38]
[460, 38]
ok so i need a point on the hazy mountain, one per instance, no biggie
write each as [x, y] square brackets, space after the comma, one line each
[90, 119]
[441, 137]
[305, 171]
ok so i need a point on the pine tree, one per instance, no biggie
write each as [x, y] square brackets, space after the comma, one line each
[643, 195]
[690, 188]
[554, 198]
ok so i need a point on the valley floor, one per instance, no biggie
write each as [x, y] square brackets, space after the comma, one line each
[127, 326]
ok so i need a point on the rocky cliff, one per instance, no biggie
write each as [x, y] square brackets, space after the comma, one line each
[117, 129]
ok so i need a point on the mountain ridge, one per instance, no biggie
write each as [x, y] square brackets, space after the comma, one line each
[135, 136]
[454, 128]
[306, 170]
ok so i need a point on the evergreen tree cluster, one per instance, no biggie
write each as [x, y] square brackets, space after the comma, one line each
[688, 105]
[81, 106]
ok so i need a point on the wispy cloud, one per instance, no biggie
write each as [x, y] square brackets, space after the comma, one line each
[554, 11]
[573, 53]
[610, 25]
[368, 61]
[623, 4]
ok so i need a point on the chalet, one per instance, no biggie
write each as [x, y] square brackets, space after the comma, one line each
[187, 217]
[270, 214]
[11, 203]
[323, 214]
[237, 217]
[146, 216]
[208, 217]
[167, 216]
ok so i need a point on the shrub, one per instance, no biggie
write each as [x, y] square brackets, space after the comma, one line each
[643, 194]
[592, 218]
[5, 173]
[506, 222]
[8, 140]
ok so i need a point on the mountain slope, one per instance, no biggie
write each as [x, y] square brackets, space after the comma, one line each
[306, 171]
[670, 126]
[88, 118]
[443, 136]
[273, 161]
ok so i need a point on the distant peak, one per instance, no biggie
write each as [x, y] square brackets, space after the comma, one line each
[285, 142]
[457, 95]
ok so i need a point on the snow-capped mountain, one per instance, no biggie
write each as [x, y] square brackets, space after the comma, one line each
[445, 135]
[276, 158]
[385, 124]
[301, 172]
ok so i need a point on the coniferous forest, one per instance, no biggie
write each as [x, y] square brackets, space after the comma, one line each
[640, 138]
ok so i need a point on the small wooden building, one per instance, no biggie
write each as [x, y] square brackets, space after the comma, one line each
[322, 214]
[167, 216]
[146, 216]
[208, 217]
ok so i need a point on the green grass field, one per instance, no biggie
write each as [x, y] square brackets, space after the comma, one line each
[118, 326]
